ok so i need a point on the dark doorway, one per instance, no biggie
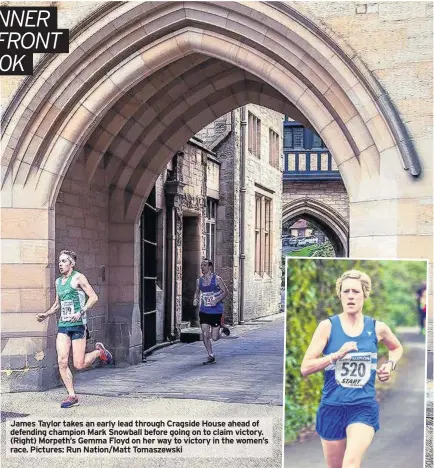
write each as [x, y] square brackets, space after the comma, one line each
[148, 276]
[190, 266]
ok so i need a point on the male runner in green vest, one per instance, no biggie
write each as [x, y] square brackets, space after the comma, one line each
[71, 291]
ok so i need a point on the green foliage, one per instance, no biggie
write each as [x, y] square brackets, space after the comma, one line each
[324, 250]
[304, 252]
[311, 297]
[402, 279]
[302, 395]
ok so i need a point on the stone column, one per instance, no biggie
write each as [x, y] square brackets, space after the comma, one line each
[123, 279]
[28, 357]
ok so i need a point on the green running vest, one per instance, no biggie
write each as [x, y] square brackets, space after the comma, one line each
[72, 300]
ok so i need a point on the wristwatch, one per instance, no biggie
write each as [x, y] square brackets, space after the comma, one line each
[393, 364]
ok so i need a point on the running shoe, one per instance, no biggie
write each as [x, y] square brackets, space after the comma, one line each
[69, 402]
[104, 354]
[226, 331]
[210, 360]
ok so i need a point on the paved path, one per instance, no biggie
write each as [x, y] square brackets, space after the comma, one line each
[249, 369]
[246, 382]
[400, 441]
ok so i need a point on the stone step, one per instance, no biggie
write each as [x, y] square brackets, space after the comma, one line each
[190, 334]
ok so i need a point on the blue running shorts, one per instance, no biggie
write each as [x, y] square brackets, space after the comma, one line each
[332, 421]
[75, 332]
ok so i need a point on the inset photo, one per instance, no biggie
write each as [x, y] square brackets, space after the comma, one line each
[355, 363]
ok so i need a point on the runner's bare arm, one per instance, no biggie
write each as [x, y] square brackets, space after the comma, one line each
[52, 310]
[385, 334]
[196, 294]
[87, 288]
[224, 289]
[312, 362]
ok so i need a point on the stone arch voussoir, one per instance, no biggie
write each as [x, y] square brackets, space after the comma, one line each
[298, 58]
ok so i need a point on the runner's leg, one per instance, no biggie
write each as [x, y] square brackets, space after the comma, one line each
[82, 360]
[359, 438]
[206, 337]
[215, 333]
[63, 346]
[334, 451]
[224, 329]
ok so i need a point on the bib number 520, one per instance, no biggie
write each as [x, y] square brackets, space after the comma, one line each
[353, 369]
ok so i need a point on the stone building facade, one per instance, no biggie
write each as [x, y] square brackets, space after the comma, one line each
[196, 178]
[323, 203]
[331, 193]
[142, 78]
[263, 179]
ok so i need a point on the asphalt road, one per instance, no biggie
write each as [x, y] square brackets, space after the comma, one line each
[400, 440]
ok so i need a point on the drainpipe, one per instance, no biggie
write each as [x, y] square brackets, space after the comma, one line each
[174, 188]
[243, 125]
[170, 269]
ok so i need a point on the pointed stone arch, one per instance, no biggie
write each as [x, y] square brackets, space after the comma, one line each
[55, 113]
[325, 217]
[141, 78]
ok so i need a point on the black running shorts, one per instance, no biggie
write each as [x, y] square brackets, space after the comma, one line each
[210, 319]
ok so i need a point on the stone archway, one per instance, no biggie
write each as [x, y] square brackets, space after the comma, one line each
[139, 80]
[326, 218]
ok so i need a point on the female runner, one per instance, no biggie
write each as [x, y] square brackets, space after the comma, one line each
[347, 417]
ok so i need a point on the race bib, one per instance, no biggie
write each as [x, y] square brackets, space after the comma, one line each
[353, 370]
[66, 310]
[207, 297]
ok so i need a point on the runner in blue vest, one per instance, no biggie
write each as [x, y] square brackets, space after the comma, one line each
[212, 291]
[347, 417]
[71, 291]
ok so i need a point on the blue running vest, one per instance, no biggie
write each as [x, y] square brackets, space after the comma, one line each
[351, 380]
[207, 292]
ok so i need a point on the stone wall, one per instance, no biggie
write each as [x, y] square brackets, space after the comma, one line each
[405, 72]
[227, 255]
[332, 193]
[262, 294]
[404, 67]
[82, 225]
[194, 166]
[194, 172]
[215, 132]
